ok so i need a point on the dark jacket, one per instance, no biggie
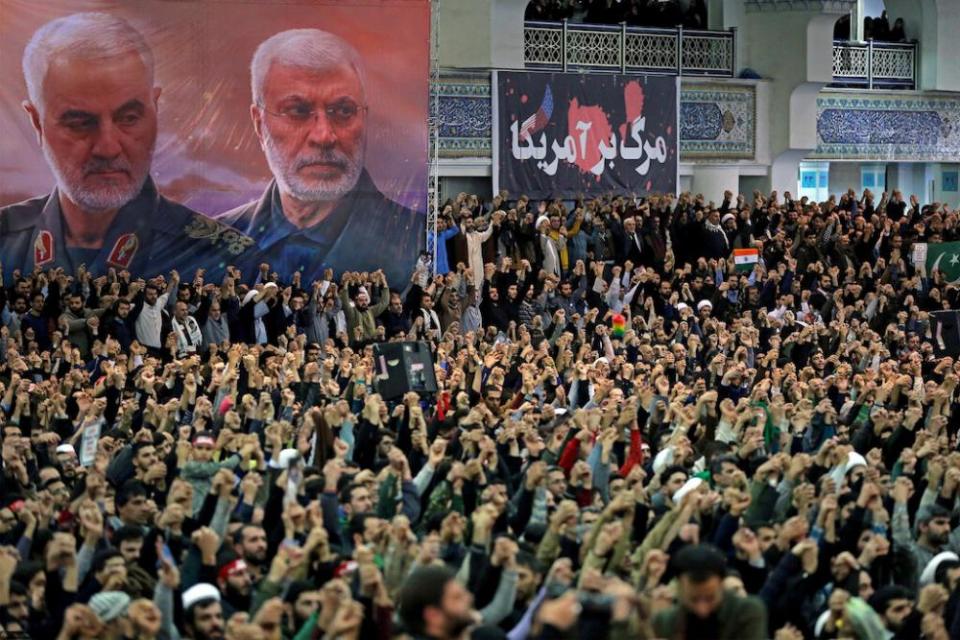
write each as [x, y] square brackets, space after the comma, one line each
[372, 232]
[737, 619]
[149, 235]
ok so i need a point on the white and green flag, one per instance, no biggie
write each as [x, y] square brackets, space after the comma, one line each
[942, 256]
[746, 259]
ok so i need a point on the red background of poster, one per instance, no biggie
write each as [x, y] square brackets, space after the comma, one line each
[207, 155]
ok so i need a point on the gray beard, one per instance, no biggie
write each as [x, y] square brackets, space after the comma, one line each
[93, 201]
[312, 191]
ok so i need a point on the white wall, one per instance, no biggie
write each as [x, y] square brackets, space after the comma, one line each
[843, 176]
[481, 33]
[457, 19]
[908, 177]
[934, 24]
[948, 45]
[713, 180]
[763, 123]
[749, 184]
[506, 31]
[911, 178]
[794, 48]
[951, 198]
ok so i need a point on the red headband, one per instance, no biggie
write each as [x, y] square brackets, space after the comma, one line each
[345, 568]
[231, 568]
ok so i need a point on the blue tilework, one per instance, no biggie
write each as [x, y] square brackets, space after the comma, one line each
[717, 122]
[700, 121]
[904, 127]
[875, 126]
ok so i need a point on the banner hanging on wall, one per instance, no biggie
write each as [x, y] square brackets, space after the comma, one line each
[565, 134]
[150, 135]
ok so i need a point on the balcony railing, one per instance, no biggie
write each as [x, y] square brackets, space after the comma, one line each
[875, 65]
[563, 46]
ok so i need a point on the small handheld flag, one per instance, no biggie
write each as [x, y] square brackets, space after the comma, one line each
[746, 259]
[618, 326]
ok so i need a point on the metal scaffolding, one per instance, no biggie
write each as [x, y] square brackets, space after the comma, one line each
[433, 126]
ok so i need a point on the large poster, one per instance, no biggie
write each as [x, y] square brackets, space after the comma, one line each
[565, 134]
[147, 135]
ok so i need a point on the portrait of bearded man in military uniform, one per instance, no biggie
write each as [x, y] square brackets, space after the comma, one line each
[93, 104]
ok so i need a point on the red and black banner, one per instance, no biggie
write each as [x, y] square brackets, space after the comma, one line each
[564, 134]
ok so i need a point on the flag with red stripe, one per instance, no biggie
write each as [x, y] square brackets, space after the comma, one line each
[746, 259]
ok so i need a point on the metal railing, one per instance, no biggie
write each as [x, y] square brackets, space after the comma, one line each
[565, 45]
[839, 6]
[875, 65]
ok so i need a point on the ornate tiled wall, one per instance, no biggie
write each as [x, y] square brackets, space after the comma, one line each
[466, 118]
[896, 126]
[717, 121]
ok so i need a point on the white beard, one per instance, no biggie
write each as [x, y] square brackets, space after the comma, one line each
[289, 181]
[105, 198]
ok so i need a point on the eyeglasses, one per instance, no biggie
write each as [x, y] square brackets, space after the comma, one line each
[341, 113]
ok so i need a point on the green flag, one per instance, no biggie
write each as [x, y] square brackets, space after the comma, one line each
[771, 432]
[942, 256]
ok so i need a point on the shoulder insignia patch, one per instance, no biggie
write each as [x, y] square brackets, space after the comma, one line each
[123, 251]
[217, 233]
[43, 248]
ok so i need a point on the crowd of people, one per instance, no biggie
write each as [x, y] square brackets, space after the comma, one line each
[877, 29]
[637, 13]
[636, 435]
[691, 14]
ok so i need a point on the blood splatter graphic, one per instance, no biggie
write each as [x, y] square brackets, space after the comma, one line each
[633, 99]
[588, 153]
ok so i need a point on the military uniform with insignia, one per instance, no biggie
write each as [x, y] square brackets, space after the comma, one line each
[365, 231]
[150, 235]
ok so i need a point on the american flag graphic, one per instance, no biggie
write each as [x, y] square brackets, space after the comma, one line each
[538, 120]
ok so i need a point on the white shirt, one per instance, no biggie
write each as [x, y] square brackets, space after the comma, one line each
[475, 240]
[260, 329]
[551, 258]
[149, 322]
